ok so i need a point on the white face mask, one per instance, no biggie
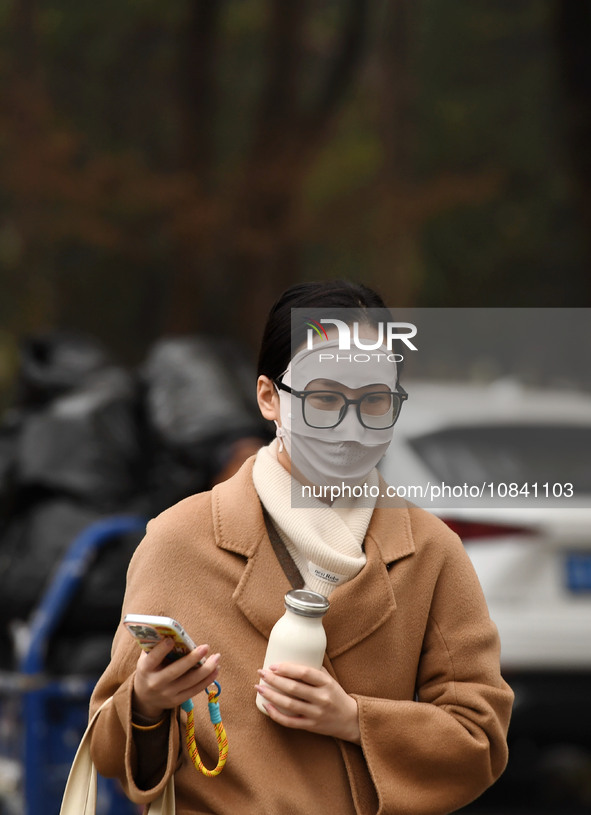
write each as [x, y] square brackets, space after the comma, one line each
[346, 453]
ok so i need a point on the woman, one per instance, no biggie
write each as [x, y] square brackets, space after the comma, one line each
[409, 713]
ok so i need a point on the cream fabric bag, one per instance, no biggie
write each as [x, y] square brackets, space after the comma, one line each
[80, 793]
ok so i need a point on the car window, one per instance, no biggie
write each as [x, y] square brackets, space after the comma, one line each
[514, 453]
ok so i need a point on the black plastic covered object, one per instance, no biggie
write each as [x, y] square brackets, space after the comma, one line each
[85, 442]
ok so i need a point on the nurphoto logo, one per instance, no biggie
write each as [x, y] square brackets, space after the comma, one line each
[387, 333]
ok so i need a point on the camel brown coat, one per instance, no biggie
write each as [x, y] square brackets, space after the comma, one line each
[410, 638]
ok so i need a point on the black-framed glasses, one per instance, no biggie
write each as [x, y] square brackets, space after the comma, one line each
[376, 410]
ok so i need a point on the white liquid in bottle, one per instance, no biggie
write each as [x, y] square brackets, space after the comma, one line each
[299, 635]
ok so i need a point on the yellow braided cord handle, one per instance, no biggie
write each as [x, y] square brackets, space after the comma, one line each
[220, 732]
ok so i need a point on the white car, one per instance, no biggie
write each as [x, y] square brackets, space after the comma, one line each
[520, 462]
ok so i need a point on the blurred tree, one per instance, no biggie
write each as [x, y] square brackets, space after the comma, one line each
[572, 20]
[488, 98]
[228, 234]
[243, 237]
[173, 166]
[63, 195]
[409, 201]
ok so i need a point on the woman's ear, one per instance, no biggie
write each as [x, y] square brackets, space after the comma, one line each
[268, 399]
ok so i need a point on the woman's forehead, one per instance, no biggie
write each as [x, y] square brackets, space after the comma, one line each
[332, 384]
[328, 362]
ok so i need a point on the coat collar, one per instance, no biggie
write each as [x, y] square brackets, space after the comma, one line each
[366, 602]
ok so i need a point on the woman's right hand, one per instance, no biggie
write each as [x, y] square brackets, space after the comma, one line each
[159, 686]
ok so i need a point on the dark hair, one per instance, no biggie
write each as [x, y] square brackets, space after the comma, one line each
[276, 345]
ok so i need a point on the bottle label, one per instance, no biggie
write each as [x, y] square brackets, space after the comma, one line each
[323, 574]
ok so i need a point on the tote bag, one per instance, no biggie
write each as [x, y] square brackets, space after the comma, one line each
[80, 793]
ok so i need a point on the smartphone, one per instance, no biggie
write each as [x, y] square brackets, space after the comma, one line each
[149, 630]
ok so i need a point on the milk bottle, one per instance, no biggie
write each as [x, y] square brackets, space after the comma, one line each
[299, 635]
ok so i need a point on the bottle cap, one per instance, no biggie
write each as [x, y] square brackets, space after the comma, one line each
[307, 603]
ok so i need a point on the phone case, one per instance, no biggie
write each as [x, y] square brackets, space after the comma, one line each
[149, 630]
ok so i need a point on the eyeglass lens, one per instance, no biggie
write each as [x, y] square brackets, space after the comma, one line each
[326, 408]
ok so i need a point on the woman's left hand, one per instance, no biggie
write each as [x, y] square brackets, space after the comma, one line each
[309, 699]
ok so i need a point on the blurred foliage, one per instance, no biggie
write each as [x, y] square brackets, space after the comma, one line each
[171, 167]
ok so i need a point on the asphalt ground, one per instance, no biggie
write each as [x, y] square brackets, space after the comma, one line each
[554, 780]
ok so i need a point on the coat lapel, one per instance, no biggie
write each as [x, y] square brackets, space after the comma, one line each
[366, 603]
[240, 527]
